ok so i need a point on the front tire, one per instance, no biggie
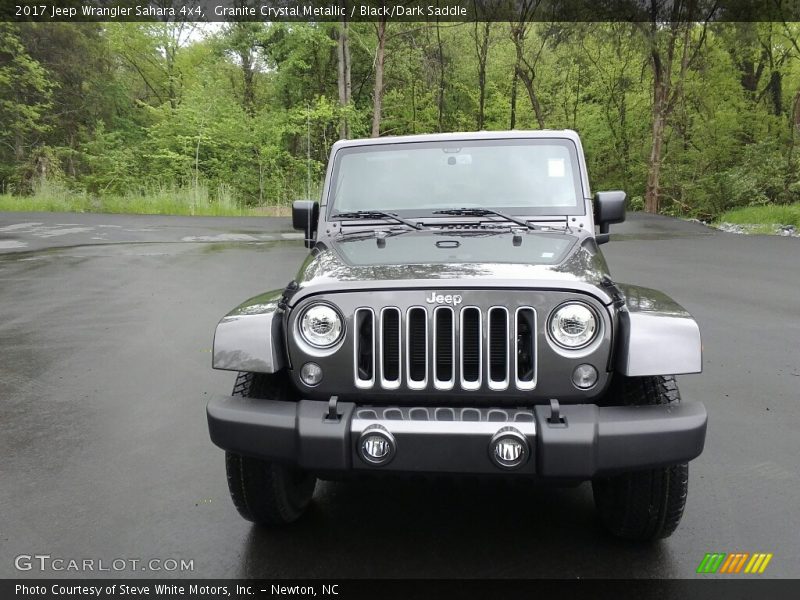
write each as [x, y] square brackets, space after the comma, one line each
[263, 491]
[643, 505]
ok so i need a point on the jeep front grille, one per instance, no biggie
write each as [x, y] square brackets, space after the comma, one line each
[445, 348]
[390, 348]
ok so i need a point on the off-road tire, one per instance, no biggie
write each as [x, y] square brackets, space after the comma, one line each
[643, 505]
[263, 491]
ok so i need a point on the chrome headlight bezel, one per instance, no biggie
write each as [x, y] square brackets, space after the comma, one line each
[306, 338]
[560, 338]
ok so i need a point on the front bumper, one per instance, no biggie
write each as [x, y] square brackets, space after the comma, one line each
[590, 440]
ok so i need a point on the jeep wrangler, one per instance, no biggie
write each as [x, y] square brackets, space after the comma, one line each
[455, 315]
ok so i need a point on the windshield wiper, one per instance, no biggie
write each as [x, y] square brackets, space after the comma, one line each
[376, 214]
[483, 212]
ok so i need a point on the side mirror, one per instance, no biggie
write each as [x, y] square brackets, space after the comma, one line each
[305, 214]
[609, 207]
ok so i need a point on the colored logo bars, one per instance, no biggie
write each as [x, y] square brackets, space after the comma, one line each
[738, 562]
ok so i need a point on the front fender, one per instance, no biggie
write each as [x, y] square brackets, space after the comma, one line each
[657, 335]
[249, 337]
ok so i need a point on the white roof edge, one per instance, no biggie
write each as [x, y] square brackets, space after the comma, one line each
[458, 136]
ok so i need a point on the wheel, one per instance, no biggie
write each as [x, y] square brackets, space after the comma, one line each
[263, 491]
[643, 505]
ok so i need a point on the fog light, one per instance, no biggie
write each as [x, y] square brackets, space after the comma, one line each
[584, 377]
[311, 374]
[508, 448]
[376, 446]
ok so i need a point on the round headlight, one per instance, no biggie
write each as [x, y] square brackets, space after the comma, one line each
[321, 326]
[573, 326]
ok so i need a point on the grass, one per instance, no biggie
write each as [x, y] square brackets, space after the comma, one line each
[781, 214]
[50, 197]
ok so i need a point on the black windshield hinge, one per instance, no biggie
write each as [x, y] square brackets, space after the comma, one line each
[617, 297]
[290, 291]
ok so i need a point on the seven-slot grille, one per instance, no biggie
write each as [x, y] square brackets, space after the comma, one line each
[468, 348]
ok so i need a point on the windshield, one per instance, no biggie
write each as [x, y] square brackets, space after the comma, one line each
[520, 176]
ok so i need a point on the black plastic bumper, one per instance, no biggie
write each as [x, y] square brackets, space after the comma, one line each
[590, 441]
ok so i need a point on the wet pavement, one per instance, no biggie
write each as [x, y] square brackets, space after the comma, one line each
[106, 323]
[25, 232]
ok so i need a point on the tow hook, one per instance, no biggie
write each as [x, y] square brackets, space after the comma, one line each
[555, 419]
[333, 416]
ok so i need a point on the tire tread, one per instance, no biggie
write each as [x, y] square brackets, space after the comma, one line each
[643, 505]
[262, 491]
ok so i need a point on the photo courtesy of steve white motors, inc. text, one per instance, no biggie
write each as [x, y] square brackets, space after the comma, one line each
[171, 589]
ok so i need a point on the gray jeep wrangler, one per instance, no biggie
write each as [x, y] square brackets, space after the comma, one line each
[455, 315]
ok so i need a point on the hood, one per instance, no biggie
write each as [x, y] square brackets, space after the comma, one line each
[455, 259]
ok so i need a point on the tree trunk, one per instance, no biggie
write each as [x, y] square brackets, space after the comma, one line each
[513, 120]
[523, 71]
[482, 48]
[248, 86]
[527, 81]
[413, 106]
[172, 92]
[518, 37]
[794, 125]
[348, 84]
[667, 91]
[72, 143]
[19, 146]
[440, 98]
[377, 99]
[776, 91]
[651, 201]
[340, 80]
[343, 63]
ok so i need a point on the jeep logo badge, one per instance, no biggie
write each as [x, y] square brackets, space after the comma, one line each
[454, 299]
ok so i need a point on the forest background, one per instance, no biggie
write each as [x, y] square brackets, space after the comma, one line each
[691, 119]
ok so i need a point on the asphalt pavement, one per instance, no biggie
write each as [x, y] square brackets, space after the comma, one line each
[106, 324]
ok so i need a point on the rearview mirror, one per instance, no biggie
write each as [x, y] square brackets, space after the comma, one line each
[305, 214]
[609, 207]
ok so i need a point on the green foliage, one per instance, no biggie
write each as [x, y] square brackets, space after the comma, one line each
[764, 215]
[24, 97]
[54, 197]
[42, 165]
[162, 117]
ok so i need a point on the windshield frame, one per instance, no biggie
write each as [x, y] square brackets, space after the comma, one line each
[429, 213]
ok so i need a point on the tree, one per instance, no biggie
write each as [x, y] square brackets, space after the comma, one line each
[377, 95]
[673, 48]
[482, 38]
[526, 64]
[242, 39]
[696, 118]
[344, 76]
[25, 93]
[524, 67]
[612, 53]
[76, 59]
